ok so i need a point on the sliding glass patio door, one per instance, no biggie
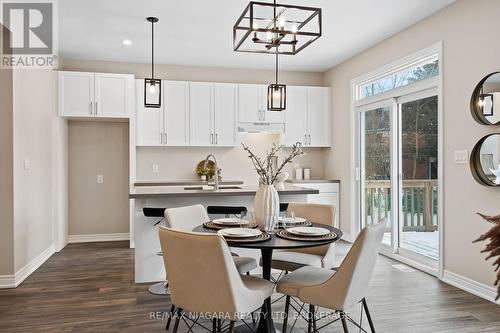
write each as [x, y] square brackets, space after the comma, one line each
[398, 169]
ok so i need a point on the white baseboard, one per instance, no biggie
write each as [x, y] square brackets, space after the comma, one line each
[7, 281]
[98, 238]
[33, 265]
[12, 281]
[471, 286]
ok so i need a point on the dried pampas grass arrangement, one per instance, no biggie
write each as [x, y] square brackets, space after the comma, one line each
[493, 247]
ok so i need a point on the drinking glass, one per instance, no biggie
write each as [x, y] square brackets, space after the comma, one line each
[288, 219]
[246, 216]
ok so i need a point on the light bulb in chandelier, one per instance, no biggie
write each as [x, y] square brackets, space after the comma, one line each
[481, 102]
[276, 93]
[152, 88]
[281, 21]
[294, 28]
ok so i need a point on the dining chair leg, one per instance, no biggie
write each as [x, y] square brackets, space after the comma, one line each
[214, 325]
[287, 309]
[248, 273]
[344, 323]
[170, 315]
[368, 316]
[310, 318]
[177, 319]
[219, 326]
[231, 326]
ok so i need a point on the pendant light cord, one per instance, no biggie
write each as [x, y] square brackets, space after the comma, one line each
[152, 50]
[276, 67]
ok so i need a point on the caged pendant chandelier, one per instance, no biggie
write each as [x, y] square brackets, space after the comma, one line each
[152, 86]
[276, 28]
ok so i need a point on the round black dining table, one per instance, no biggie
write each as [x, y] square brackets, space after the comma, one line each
[266, 324]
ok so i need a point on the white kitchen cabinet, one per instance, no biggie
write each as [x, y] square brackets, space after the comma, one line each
[308, 116]
[201, 109]
[167, 125]
[319, 117]
[225, 114]
[252, 105]
[149, 121]
[296, 116]
[329, 194]
[101, 95]
[249, 103]
[176, 114]
[76, 94]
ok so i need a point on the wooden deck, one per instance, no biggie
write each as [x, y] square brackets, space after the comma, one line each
[89, 288]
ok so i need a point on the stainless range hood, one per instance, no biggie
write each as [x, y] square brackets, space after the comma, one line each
[262, 127]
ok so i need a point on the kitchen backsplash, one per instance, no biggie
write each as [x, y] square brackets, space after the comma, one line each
[180, 162]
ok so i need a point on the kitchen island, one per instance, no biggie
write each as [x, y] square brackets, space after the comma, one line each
[144, 236]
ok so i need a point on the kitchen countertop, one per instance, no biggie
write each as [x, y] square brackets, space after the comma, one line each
[313, 180]
[175, 192]
[182, 182]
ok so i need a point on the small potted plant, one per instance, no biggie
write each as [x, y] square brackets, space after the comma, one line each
[203, 174]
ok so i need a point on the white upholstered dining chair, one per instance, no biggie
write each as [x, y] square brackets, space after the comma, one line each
[189, 217]
[337, 289]
[321, 256]
[204, 279]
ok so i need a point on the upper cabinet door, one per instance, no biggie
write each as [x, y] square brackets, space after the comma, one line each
[225, 95]
[76, 94]
[296, 116]
[250, 103]
[201, 114]
[319, 117]
[270, 116]
[176, 106]
[149, 121]
[112, 95]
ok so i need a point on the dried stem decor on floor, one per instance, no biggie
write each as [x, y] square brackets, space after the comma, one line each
[493, 246]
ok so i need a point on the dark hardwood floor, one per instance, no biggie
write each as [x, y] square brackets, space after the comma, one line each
[90, 288]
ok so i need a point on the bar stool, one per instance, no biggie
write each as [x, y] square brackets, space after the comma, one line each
[160, 288]
[226, 210]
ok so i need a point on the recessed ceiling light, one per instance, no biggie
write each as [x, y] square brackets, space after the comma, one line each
[126, 42]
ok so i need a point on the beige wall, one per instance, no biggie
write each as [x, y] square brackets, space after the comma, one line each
[470, 51]
[34, 112]
[98, 148]
[6, 174]
[194, 73]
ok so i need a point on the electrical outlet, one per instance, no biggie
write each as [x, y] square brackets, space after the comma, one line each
[156, 168]
[26, 163]
[461, 156]
[100, 179]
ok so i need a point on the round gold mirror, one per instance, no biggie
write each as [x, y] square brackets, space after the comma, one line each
[485, 160]
[485, 100]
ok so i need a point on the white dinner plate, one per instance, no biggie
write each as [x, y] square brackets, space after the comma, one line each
[230, 221]
[290, 221]
[239, 232]
[308, 231]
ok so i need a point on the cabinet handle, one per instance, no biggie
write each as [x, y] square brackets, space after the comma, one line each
[166, 138]
[96, 108]
[305, 139]
[216, 138]
[161, 138]
[309, 139]
[211, 138]
[90, 108]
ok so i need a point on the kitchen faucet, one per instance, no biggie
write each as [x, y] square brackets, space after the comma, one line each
[216, 173]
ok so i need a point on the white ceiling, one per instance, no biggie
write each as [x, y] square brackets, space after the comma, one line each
[199, 32]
